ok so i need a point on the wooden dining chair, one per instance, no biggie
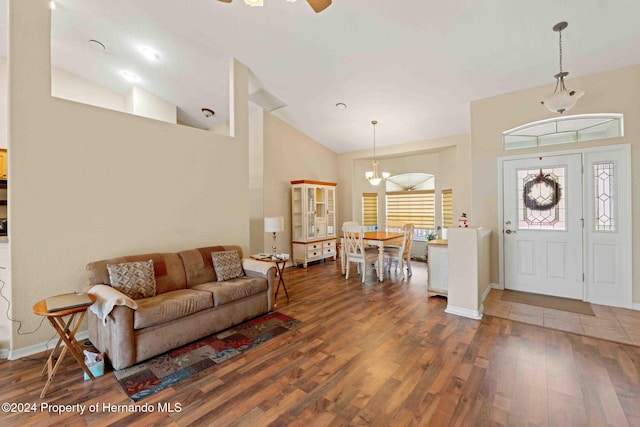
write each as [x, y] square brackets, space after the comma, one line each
[354, 250]
[401, 255]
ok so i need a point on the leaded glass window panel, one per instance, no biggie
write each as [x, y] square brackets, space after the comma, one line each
[541, 198]
[604, 189]
[564, 130]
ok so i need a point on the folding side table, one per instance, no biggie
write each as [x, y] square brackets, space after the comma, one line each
[66, 329]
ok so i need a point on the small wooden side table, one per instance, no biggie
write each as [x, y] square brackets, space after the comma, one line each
[66, 329]
[280, 263]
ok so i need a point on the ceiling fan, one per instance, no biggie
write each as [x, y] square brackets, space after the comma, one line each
[317, 5]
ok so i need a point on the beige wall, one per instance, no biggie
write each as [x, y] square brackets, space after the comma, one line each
[256, 179]
[448, 169]
[611, 92]
[89, 183]
[452, 154]
[419, 163]
[66, 85]
[291, 155]
[142, 103]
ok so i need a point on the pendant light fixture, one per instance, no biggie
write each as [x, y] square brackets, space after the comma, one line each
[372, 176]
[562, 99]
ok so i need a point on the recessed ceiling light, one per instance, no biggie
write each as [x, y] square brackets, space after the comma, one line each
[150, 54]
[341, 106]
[97, 45]
[208, 112]
[52, 4]
[129, 76]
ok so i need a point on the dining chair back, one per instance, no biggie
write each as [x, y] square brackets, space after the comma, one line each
[401, 255]
[354, 250]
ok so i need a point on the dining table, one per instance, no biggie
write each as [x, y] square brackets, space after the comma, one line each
[378, 239]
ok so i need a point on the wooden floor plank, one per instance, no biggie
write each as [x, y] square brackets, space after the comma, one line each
[370, 354]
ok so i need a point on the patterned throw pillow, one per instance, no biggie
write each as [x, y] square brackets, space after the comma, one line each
[134, 279]
[227, 265]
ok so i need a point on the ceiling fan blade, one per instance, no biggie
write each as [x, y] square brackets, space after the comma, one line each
[226, 1]
[319, 5]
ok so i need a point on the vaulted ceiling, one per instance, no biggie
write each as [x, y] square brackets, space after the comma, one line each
[414, 65]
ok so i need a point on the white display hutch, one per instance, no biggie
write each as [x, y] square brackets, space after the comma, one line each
[313, 221]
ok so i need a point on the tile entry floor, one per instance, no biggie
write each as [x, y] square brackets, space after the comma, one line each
[610, 323]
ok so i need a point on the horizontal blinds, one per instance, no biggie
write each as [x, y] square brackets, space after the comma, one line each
[370, 209]
[447, 208]
[416, 207]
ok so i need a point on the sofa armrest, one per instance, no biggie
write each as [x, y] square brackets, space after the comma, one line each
[266, 270]
[114, 337]
[255, 266]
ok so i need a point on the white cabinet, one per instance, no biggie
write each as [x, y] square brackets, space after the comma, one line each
[313, 220]
[438, 264]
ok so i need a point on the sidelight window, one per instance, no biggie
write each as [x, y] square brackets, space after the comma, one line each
[604, 189]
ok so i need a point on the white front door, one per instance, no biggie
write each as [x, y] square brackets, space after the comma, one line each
[542, 214]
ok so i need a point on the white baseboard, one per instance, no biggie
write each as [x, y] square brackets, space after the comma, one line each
[636, 307]
[4, 353]
[464, 312]
[40, 347]
[496, 286]
[486, 292]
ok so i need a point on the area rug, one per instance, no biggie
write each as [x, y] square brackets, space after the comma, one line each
[546, 301]
[149, 377]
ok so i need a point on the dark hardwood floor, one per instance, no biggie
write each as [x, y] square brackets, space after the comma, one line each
[374, 354]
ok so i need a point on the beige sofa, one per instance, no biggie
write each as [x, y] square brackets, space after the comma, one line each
[189, 304]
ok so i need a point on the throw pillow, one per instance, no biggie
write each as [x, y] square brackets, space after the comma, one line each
[227, 265]
[134, 279]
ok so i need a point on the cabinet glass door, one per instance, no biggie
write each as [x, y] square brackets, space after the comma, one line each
[296, 214]
[311, 212]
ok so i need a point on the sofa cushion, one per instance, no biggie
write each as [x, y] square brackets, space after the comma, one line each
[234, 289]
[170, 306]
[167, 267]
[227, 265]
[134, 279]
[198, 264]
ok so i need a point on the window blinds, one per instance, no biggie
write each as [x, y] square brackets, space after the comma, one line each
[447, 208]
[370, 209]
[417, 207]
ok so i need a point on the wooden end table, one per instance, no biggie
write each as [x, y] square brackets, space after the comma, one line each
[280, 263]
[66, 330]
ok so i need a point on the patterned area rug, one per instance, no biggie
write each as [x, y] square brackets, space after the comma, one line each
[165, 370]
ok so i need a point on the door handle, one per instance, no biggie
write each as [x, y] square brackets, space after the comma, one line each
[510, 231]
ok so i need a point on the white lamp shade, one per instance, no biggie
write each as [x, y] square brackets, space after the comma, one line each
[273, 224]
[562, 101]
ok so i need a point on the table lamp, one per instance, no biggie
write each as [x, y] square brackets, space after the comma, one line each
[273, 225]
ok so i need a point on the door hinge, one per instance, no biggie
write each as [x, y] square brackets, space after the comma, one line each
[582, 219]
[583, 277]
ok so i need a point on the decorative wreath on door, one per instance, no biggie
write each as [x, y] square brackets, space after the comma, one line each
[542, 179]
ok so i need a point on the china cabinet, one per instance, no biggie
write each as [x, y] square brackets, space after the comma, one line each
[313, 221]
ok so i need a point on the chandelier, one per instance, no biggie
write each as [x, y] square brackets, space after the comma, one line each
[562, 99]
[372, 176]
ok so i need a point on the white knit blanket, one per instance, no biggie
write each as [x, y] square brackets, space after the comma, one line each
[107, 298]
